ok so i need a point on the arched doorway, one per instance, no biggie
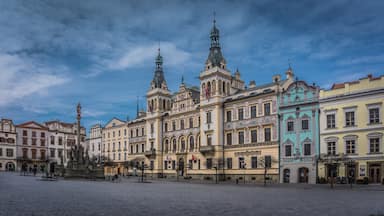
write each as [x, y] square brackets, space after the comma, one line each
[287, 174]
[10, 166]
[181, 167]
[303, 175]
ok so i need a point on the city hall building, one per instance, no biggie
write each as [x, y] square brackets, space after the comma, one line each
[219, 129]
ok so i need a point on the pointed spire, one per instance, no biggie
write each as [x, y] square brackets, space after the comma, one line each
[215, 57]
[158, 78]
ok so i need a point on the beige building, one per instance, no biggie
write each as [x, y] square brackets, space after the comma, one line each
[7, 145]
[114, 146]
[219, 129]
[351, 130]
[94, 142]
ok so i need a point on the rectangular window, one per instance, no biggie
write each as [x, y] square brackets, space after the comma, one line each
[33, 153]
[229, 138]
[349, 119]
[331, 148]
[33, 133]
[350, 146]
[42, 142]
[209, 117]
[165, 165]
[374, 116]
[166, 127]
[229, 163]
[25, 153]
[290, 126]
[33, 141]
[304, 124]
[288, 150]
[42, 154]
[132, 149]
[142, 147]
[25, 141]
[52, 140]
[173, 125]
[242, 163]
[25, 133]
[190, 122]
[267, 134]
[60, 153]
[307, 149]
[151, 165]
[182, 124]
[42, 134]
[52, 153]
[173, 165]
[9, 152]
[374, 145]
[254, 162]
[60, 141]
[190, 164]
[267, 109]
[268, 161]
[254, 136]
[1, 152]
[198, 164]
[209, 140]
[229, 116]
[209, 163]
[241, 137]
[240, 113]
[331, 121]
[253, 111]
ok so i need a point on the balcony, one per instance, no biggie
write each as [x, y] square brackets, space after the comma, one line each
[207, 149]
[150, 153]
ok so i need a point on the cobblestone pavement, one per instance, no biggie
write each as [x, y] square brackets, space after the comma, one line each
[27, 195]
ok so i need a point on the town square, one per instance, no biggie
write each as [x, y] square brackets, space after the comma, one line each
[191, 107]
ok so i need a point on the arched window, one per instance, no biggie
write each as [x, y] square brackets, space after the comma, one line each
[213, 87]
[174, 145]
[220, 86]
[191, 144]
[203, 88]
[223, 87]
[182, 145]
[228, 89]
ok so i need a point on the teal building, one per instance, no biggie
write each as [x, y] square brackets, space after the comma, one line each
[299, 132]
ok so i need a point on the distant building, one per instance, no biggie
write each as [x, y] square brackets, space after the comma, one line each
[7, 145]
[32, 145]
[95, 142]
[351, 130]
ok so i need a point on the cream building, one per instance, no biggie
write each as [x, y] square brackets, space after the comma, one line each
[7, 145]
[61, 137]
[114, 146]
[219, 129]
[351, 130]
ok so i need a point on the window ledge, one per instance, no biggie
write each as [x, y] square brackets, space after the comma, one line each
[352, 126]
[375, 153]
[374, 124]
[333, 128]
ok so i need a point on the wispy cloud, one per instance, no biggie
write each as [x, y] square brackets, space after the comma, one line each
[361, 60]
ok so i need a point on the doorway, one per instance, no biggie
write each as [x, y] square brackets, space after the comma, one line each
[286, 176]
[10, 166]
[303, 175]
[374, 173]
[181, 167]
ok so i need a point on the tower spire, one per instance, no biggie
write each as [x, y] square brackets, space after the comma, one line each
[215, 57]
[158, 78]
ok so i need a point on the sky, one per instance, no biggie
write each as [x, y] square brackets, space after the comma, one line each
[54, 54]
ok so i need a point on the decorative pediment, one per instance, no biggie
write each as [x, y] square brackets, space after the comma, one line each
[307, 140]
[288, 142]
[32, 124]
[114, 122]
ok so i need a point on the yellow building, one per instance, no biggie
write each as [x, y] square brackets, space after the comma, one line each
[351, 130]
[114, 146]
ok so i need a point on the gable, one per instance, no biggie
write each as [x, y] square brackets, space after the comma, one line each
[114, 122]
[32, 125]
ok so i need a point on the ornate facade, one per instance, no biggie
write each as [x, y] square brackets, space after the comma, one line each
[299, 132]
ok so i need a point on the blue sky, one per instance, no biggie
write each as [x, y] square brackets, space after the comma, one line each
[54, 54]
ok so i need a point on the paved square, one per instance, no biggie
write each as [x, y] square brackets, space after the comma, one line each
[26, 195]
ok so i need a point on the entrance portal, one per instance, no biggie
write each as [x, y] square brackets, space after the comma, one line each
[374, 173]
[10, 166]
[303, 175]
[286, 176]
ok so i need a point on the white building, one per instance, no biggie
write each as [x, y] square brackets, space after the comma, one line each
[7, 145]
[94, 142]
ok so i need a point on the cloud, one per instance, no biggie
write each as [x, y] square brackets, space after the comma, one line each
[362, 60]
[22, 78]
[138, 56]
